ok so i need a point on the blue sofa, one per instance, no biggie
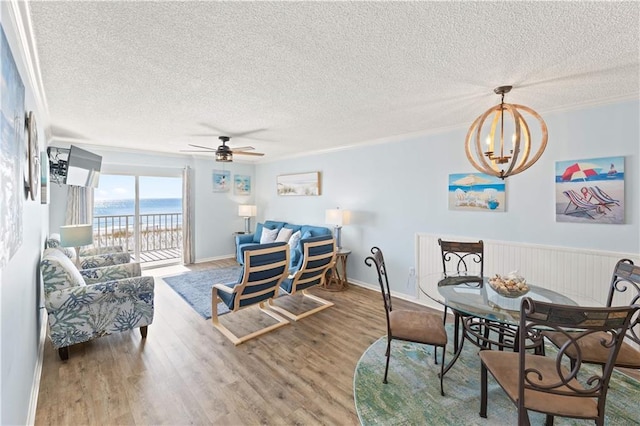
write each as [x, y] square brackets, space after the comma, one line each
[247, 240]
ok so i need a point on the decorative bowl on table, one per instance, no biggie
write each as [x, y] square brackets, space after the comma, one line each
[511, 285]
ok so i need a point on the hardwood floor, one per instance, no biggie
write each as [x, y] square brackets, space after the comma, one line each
[186, 372]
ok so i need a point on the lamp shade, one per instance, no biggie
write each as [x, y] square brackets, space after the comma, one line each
[76, 235]
[337, 217]
[247, 210]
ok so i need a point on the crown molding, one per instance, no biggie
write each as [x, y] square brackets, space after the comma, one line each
[20, 16]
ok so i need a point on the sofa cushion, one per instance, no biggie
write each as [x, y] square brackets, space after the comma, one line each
[268, 235]
[58, 271]
[315, 231]
[284, 234]
[258, 234]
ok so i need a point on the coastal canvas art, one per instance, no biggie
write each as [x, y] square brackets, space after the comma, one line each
[241, 185]
[12, 153]
[221, 180]
[590, 191]
[476, 192]
[299, 184]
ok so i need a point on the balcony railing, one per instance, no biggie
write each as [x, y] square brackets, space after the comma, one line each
[160, 234]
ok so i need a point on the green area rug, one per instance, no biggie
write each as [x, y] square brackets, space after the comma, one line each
[412, 394]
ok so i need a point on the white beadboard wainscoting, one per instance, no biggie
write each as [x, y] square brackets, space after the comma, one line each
[583, 275]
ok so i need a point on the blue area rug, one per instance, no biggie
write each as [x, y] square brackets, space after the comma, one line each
[195, 287]
[412, 394]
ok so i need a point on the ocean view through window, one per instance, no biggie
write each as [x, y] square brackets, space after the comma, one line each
[141, 213]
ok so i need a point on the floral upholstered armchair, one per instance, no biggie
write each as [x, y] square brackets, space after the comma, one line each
[89, 303]
[91, 257]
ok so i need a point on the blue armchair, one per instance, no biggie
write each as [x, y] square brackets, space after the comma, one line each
[265, 266]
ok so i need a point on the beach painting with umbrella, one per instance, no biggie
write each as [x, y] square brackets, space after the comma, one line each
[590, 191]
[476, 191]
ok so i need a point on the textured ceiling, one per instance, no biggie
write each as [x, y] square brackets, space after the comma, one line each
[312, 76]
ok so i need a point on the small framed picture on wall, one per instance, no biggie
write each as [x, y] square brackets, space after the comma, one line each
[221, 180]
[242, 185]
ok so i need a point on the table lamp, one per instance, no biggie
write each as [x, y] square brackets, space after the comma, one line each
[76, 236]
[246, 211]
[337, 218]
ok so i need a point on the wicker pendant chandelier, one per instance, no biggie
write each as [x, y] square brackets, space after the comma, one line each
[499, 157]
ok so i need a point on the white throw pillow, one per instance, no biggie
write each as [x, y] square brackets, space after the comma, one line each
[284, 235]
[295, 239]
[268, 235]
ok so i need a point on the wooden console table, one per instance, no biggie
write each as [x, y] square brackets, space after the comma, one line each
[336, 279]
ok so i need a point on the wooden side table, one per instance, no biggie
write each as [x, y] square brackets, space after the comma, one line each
[336, 279]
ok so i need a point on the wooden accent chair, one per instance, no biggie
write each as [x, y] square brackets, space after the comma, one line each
[265, 266]
[624, 290]
[544, 384]
[413, 326]
[318, 256]
[461, 258]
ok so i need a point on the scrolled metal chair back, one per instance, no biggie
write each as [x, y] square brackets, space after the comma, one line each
[377, 259]
[575, 323]
[625, 290]
[462, 255]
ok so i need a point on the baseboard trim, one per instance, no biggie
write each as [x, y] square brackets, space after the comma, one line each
[37, 374]
[396, 294]
[211, 259]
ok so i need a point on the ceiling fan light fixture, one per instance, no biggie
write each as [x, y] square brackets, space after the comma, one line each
[224, 153]
[508, 140]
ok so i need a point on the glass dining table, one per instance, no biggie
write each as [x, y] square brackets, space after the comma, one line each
[489, 320]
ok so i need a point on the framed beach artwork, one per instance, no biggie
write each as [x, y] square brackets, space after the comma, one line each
[299, 184]
[221, 180]
[12, 153]
[590, 191]
[476, 192]
[242, 185]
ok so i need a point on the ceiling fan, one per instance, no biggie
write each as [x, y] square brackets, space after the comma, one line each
[224, 153]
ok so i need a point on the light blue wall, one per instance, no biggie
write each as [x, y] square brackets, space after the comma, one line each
[398, 189]
[20, 294]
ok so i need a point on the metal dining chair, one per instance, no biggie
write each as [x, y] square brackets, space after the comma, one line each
[461, 257]
[623, 290]
[543, 383]
[413, 326]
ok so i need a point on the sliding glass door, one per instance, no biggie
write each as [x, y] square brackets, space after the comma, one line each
[141, 213]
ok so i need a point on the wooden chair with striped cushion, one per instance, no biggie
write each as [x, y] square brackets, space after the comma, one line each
[265, 266]
[318, 256]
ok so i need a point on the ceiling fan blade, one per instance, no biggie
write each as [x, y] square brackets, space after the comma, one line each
[257, 154]
[243, 148]
[203, 147]
[197, 150]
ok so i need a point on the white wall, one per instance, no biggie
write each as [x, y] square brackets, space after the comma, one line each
[216, 213]
[20, 291]
[398, 189]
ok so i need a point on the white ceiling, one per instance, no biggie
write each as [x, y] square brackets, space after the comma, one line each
[313, 76]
